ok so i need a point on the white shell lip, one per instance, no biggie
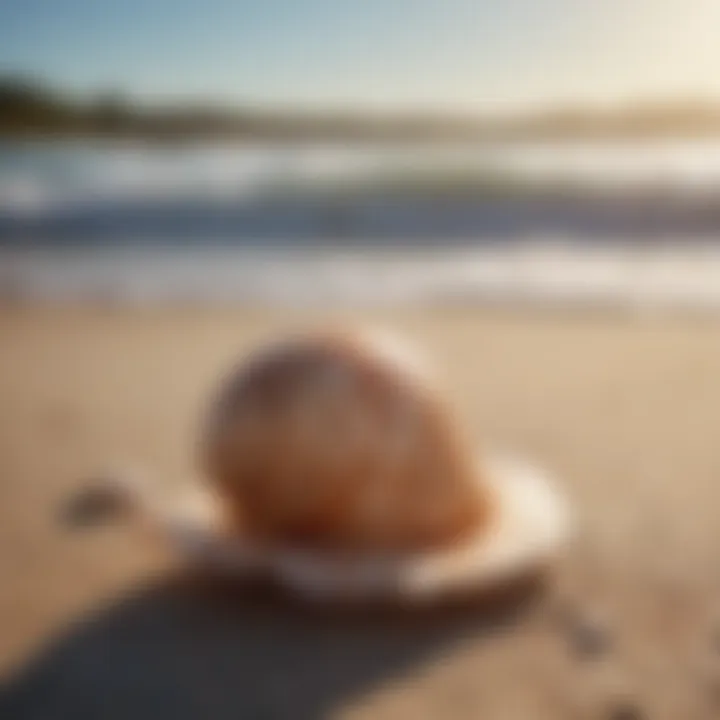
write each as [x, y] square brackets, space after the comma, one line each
[531, 527]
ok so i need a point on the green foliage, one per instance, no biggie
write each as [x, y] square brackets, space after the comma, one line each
[25, 106]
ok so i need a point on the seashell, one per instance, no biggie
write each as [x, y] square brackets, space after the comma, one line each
[343, 441]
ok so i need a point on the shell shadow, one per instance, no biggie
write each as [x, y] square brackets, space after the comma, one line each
[188, 647]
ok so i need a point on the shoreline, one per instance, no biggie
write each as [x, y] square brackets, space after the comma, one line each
[559, 277]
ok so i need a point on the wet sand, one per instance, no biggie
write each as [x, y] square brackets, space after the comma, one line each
[625, 412]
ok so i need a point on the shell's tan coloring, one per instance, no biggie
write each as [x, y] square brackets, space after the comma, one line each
[336, 440]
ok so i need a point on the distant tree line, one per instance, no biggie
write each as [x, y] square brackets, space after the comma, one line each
[29, 108]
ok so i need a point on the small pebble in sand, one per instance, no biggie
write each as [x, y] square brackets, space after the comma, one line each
[624, 710]
[590, 638]
[101, 499]
[587, 634]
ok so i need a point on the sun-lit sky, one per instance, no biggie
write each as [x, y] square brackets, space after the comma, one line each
[387, 54]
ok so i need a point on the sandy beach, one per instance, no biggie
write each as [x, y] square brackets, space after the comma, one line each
[624, 411]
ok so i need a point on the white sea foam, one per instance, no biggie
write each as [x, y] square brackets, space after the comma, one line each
[75, 218]
[54, 175]
[543, 272]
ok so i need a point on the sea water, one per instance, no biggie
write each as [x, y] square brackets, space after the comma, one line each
[632, 225]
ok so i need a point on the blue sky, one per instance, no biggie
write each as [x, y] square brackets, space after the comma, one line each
[385, 54]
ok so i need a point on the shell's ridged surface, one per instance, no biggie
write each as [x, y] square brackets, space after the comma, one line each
[329, 441]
